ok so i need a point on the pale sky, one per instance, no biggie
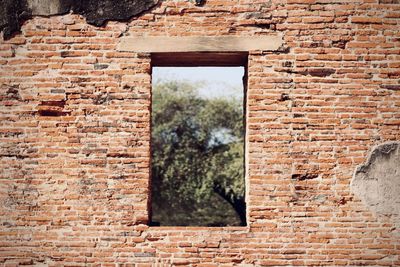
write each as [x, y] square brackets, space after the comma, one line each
[214, 81]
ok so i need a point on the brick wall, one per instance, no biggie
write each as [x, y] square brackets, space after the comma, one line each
[74, 136]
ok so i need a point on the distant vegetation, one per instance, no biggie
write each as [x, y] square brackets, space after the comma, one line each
[197, 158]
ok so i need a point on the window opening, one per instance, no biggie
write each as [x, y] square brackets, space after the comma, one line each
[197, 146]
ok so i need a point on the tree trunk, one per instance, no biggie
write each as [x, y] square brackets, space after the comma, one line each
[237, 203]
[240, 208]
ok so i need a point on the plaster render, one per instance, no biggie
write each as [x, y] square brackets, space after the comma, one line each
[377, 182]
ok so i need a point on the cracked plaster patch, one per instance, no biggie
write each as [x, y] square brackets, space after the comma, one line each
[377, 182]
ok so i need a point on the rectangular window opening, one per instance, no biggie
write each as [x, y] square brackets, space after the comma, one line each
[198, 140]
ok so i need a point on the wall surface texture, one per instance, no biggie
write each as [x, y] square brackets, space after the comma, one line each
[323, 119]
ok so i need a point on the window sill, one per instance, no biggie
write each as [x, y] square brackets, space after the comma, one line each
[200, 228]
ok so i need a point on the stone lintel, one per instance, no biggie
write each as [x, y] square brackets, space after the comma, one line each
[159, 44]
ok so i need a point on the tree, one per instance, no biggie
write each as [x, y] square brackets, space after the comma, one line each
[197, 158]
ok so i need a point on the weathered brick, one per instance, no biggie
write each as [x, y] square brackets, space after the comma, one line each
[75, 137]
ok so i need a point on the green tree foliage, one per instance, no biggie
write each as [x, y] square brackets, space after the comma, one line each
[197, 158]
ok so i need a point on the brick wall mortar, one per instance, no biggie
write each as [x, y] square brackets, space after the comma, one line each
[74, 133]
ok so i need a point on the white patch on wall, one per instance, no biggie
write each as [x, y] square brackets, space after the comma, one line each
[377, 182]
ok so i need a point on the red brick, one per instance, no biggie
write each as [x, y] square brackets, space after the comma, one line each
[61, 206]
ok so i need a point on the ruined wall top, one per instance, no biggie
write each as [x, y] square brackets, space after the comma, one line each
[14, 12]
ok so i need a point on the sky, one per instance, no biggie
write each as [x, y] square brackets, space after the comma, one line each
[213, 81]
